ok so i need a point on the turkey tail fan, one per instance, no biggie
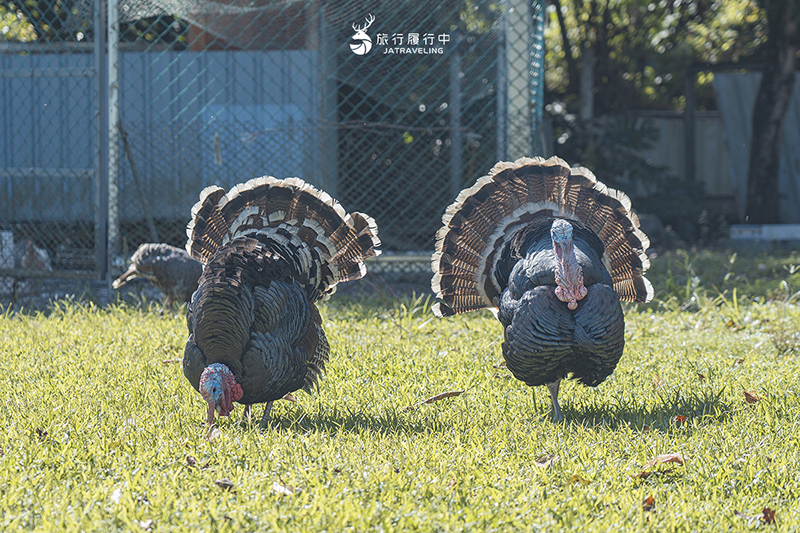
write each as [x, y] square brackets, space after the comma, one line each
[485, 217]
[316, 229]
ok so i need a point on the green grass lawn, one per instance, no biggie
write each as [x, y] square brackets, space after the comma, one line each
[101, 431]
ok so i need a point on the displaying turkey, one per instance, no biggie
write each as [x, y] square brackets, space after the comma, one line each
[271, 248]
[551, 251]
[170, 269]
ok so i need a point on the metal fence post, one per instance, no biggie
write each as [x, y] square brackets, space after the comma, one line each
[101, 143]
[113, 128]
[537, 77]
[518, 36]
[502, 87]
[456, 143]
[327, 131]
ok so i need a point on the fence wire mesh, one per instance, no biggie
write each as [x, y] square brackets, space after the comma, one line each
[48, 125]
[391, 106]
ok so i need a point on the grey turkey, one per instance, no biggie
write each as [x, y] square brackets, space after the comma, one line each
[171, 270]
[272, 248]
[551, 251]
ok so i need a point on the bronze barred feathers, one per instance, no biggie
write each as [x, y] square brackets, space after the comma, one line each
[485, 217]
[293, 212]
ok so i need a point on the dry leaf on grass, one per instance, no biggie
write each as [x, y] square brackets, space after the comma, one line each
[649, 503]
[280, 488]
[191, 461]
[545, 461]
[700, 376]
[766, 516]
[751, 396]
[658, 460]
[738, 361]
[225, 484]
[436, 398]
[657, 383]
[213, 433]
[680, 419]
[289, 397]
[575, 478]
[664, 459]
[170, 361]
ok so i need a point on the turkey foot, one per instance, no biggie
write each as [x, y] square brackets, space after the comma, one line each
[556, 410]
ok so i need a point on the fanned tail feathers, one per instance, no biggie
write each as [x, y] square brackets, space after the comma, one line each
[326, 243]
[485, 217]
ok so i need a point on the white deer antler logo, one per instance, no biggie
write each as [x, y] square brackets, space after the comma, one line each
[361, 43]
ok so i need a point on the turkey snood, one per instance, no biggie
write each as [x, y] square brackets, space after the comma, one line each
[569, 275]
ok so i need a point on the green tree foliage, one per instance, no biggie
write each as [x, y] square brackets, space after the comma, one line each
[14, 26]
[642, 46]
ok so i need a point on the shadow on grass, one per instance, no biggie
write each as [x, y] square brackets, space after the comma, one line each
[338, 421]
[674, 410]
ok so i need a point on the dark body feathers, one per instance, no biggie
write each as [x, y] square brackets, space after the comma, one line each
[587, 342]
[496, 251]
[272, 249]
[171, 270]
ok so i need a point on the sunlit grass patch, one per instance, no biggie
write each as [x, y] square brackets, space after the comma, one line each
[103, 433]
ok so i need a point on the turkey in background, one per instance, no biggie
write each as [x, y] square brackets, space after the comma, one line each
[170, 269]
[271, 248]
[551, 251]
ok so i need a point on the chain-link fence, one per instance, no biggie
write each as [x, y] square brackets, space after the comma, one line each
[391, 106]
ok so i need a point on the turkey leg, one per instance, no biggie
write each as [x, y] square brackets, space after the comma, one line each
[265, 418]
[246, 415]
[556, 411]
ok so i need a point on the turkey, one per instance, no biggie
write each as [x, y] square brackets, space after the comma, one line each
[271, 248]
[170, 269]
[551, 251]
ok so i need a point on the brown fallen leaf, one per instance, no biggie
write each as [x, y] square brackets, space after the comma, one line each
[213, 433]
[289, 397]
[171, 361]
[659, 460]
[657, 383]
[664, 459]
[751, 396]
[767, 516]
[649, 503]
[545, 461]
[191, 461]
[680, 419]
[739, 361]
[575, 478]
[280, 488]
[438, 397]
[225, 484]
[700, 376]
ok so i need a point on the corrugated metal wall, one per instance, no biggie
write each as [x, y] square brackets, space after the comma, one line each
[736, 92]
[189, 126]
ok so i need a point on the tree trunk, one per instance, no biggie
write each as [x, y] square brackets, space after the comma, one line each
[572, 66]
[770, 109]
